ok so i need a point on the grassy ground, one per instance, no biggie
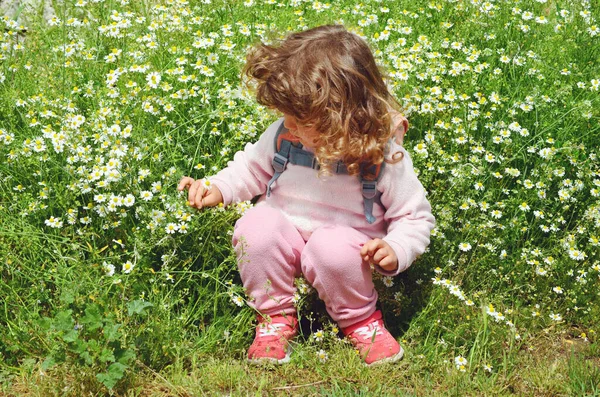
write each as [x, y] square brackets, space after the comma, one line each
[551, 367]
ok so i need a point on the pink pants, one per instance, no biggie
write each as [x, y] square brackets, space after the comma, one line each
[271, 253]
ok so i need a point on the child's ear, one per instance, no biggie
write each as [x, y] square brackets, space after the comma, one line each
[402, 129]
[399, 126]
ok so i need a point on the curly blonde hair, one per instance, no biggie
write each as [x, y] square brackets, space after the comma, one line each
[327, 78]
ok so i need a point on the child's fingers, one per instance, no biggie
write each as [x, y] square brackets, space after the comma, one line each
[369, 248]
[388, 263]
[380, 254]
[212, 197]
[185, 182]
[364, 251]
[200, 194]
[196, 193]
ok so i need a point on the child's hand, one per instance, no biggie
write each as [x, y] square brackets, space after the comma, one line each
[200, 195]
[380, 253]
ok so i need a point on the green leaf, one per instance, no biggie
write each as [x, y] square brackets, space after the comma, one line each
[45, 324]
[107, 355]
[86, 356]
[138, 307]
[107, 380]
[117, 369]
[28, 363]
[48, 363]
[94, 346]
[80, 346]
[126, 356]
[63, 321]
[67, 297]
[111, 332]
[93, 317]
[70, 336]
[115, 373]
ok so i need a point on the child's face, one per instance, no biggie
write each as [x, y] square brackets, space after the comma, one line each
[307, 136]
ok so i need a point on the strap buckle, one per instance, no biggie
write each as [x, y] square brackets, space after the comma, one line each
[340, 168]
[315, 164]
[279, 162]
[369, 189]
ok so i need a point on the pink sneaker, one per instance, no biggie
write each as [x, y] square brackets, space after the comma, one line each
[271, 343]
[373, 342]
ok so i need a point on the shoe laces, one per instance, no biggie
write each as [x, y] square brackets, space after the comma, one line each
[369, 331]
[266, 329]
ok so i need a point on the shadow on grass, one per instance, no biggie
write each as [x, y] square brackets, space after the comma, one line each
[399, 304]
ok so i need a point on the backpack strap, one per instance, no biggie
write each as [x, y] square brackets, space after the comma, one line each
[299, 156]
[369, 189]
[287, 151]
[282, 155]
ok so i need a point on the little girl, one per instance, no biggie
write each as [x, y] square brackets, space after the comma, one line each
[341, 199]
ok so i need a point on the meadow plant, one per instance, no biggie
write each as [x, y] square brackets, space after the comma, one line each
[104, 107]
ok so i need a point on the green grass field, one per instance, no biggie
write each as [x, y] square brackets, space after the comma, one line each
[112, 285]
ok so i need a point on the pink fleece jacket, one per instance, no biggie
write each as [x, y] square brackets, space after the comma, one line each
[309, 202]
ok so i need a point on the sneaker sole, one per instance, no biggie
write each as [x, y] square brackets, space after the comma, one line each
[392, 359]
[272, 360]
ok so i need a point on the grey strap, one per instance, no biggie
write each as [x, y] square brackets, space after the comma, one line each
[370, 193]
[299, 156]
[280, 162]
[289, 153]
[369, 190]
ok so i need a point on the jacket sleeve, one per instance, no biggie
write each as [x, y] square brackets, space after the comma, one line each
[408, 213]
[247, 175]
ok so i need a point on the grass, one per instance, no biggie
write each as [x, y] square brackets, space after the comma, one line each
[553, 367]
[502, 98]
